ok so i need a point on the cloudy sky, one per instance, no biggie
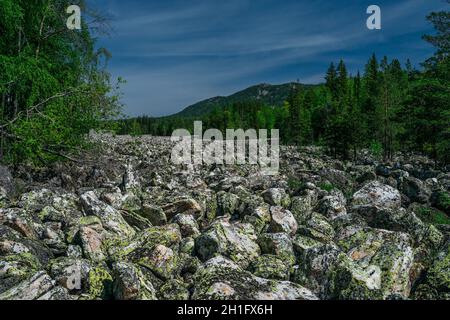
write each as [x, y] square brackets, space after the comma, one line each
[174, 53]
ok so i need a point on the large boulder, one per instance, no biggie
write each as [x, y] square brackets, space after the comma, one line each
[391, 252]
[282, 221]
[130, 283]
[379, 195]
[111, 219]
[222, 279]
[331, 274]
[277, 197]
[279, 245]
[30, 289]
[235, 241]
[416, 190]
[333, 205]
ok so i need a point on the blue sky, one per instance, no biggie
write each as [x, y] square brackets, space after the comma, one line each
[174, 53]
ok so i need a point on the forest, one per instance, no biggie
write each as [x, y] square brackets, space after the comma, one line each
[389, 107]
[54, 86]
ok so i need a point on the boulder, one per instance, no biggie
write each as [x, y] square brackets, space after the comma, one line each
[111, 219]
[222, 279]
[277, 197]
[235, 241]
[333, 205]
[130, 283]
[278, 244]
[379, 195]
[270, 267]
[415, 190]
[30, 289]
[188, 225]
[282, 221]
[186, 206]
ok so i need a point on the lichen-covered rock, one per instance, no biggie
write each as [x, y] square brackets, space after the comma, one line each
[167, 235]
[227, 204]
[160, 259]
[278, 244]
[29, 289]
[415, 190]
[12, 242]
[337, 178]
[303, 206]
[130, 283]
[235, 241]
[20, 221]
[270, 267]
[333, 205]
[221, 279]
[99, 283]
[391, 251]
[186, 206]
[259, 217]
[282, 221]
[318, 228]
[91, 243]
[35, 201]
[111, 219]
[188, 225]
[379, 195]
[15, 268]
[277, 197]
[71, 273]
[58, 293]
[173, 290]
[6, 182]
[436, 285]
[154, 214]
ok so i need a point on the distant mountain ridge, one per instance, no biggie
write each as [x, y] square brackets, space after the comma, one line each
[273, 95]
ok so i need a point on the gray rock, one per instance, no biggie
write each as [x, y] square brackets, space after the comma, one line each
[131, 284]
[235, 241]
[282, 221]
[221, 279]
[30, 289]
[379, 195]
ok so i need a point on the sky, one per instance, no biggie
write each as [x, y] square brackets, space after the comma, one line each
[174, 53]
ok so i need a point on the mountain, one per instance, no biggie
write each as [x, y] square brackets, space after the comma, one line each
[273, 95]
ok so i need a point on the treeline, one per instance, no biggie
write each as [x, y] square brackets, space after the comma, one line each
[54, 86]
[387, 108]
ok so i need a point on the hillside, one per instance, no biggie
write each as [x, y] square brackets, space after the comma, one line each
[273, 95]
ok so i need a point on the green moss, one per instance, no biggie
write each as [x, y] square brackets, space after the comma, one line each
[433, 216]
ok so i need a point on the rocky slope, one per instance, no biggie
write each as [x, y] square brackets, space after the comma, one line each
[127, 224]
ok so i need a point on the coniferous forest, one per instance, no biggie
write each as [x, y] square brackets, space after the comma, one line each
[389, 106]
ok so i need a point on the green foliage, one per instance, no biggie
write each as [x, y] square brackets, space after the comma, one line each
[53, 83]
[376, 148]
